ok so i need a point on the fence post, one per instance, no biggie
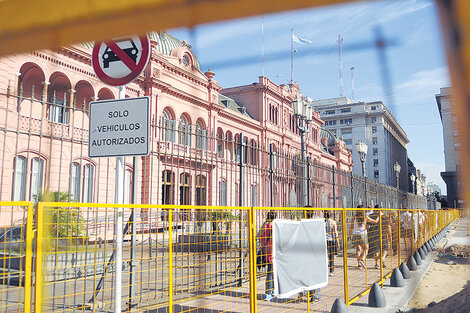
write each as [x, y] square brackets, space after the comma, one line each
[252, 243]
[133, 264]
[271, 174]
[240, 203]
[399, 237]
[345, 256]
[29, 258]
[352, 190]
[170, 260]
[412, 232]
[381, 252]
[334, 186]
[39, 241]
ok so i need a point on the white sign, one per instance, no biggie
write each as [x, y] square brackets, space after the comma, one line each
[119, 127]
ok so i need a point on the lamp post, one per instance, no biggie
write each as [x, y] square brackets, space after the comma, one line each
[303, 116]
[361, 148]
[412, 177]
[397, 168]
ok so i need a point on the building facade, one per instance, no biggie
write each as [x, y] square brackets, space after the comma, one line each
[451, 147]
[200, 134]
[374, 124]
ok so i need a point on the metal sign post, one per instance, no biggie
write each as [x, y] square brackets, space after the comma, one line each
[122, 130]
[119, 199]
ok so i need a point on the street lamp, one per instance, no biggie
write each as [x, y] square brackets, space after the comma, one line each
[397, 169]
[412, 177]
[361, 148]
[303, 116]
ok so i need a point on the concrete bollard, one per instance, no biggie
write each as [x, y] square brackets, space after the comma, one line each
[428, 246]
[405, 270]
[412, 266]
[421, 253]
[376, 297]
[396, 280]
[339, 306]
[417, 258]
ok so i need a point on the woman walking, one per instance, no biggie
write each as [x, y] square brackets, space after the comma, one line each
[359, 236]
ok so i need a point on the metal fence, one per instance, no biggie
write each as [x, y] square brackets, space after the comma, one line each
[184, 258]
[44, 144]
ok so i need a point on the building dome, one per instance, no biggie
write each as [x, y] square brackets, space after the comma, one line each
[166, 43]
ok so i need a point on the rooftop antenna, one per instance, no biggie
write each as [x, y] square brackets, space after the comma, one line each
[352, 83]
[340, 46]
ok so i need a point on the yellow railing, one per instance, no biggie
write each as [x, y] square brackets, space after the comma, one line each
[180, 258]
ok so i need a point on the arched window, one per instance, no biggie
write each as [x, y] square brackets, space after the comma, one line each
[200, 190]
[75, 182]
[253, 152]
[228, 146]
[30, 82]
[246, 151]
[168, 131]
[185, 189]
[19, 179]
[220, 143]
[37, 178]
[82, 188]
[236, 147]
[167, 187]
[201, 135]
[223, 193]
[184, 131]
[88, 183]
[59, 98]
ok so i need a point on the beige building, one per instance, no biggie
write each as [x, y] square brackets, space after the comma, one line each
[451, 147]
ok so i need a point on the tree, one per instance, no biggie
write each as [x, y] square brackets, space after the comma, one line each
[440, 199]
[63, 222]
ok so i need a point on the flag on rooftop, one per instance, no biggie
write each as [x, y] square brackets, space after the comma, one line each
[297, 39]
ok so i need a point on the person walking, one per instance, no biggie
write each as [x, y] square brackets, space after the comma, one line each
[266, 238]
[358, 230]
[332, 241]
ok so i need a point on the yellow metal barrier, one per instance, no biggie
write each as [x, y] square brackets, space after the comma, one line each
[16, 254]
[182, 258]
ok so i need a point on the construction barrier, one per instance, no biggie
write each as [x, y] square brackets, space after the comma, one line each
[184, 258]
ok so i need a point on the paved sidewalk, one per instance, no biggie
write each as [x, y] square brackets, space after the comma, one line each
[398, 298]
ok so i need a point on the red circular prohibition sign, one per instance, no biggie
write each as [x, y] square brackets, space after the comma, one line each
[135, 68]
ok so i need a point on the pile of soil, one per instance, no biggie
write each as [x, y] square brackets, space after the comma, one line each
[458, 303]
[459, 251]
[446, 286]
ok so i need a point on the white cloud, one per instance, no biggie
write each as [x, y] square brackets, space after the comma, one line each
[421, 86]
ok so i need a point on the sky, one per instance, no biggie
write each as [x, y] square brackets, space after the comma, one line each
[415, 61]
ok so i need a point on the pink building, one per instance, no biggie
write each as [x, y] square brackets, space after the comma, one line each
[194, 140]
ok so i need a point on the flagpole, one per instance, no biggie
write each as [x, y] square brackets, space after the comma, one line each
[262, 43]
[291, 55]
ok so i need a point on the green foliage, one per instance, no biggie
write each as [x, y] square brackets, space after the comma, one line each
[63, 222]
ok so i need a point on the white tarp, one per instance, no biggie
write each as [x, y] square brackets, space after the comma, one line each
[300, 260]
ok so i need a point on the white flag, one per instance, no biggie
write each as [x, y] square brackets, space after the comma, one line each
[297, 39]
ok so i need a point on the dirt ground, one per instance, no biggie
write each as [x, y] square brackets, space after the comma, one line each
[446, 285]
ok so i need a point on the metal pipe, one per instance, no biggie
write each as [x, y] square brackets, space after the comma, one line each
[271, 173]
[240, 203]
[334, 186]
[119, 198]
[132, 264]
